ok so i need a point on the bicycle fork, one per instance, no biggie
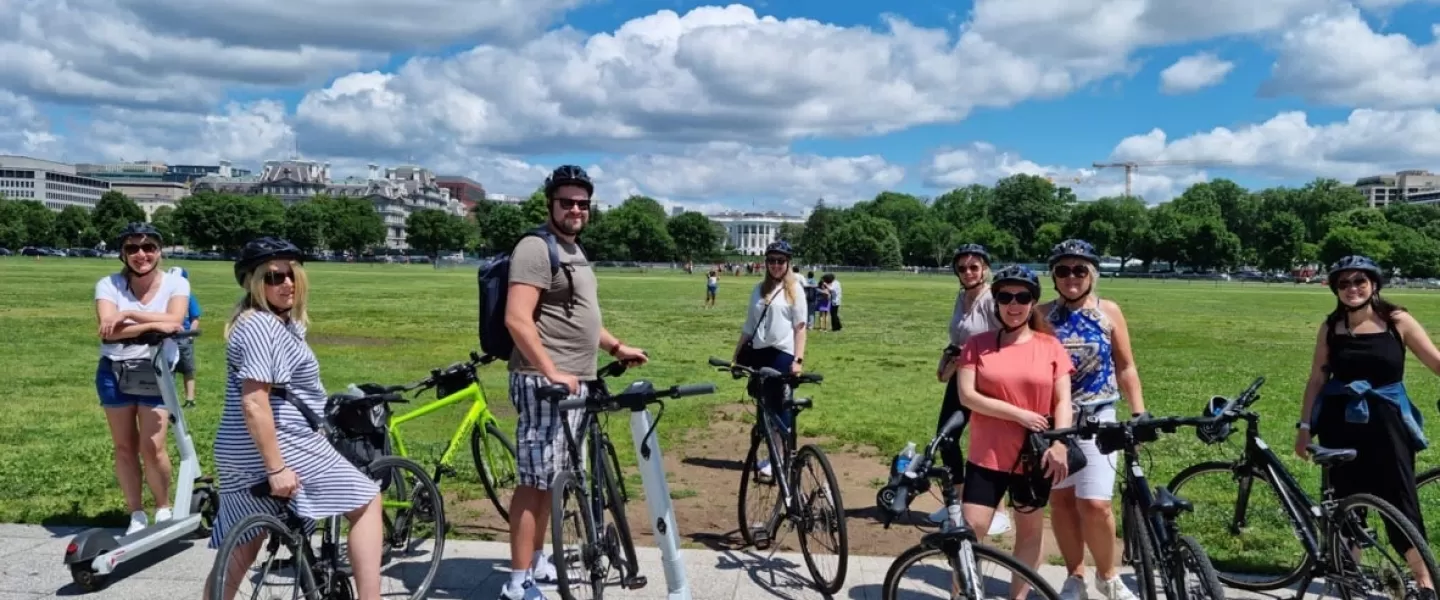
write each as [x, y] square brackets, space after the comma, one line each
[966, 575]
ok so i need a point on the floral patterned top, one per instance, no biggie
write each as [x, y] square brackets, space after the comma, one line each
[1086, 334]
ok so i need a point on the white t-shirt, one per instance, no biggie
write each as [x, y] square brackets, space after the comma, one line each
[778, 330]
[835, 292]
[114, 288]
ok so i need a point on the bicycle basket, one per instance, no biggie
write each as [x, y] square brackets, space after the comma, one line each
[360, 433]
[1215, 433]
[453, 380]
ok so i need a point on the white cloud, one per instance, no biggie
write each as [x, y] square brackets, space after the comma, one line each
[243, 133]
[1337, 58]
[982, 163]
[23, 130]
[1194, 72]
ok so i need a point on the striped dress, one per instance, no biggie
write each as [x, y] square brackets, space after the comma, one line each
[265, 348]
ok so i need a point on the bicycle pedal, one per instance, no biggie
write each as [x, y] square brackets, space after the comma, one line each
[634, 582]
[447, 470]
[762, 539]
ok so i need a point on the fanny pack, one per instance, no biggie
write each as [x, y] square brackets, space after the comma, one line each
[136, 376]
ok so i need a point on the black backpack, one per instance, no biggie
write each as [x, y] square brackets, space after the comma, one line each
[494, 283]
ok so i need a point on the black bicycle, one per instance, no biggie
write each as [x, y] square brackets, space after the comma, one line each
[1154, 545]
[1331, 533]
[956, 544]
[586, 553]
[820, 508]
[288, 554]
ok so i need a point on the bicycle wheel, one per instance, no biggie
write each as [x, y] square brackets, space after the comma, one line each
[494, 456]
[761, 503]
[284, 562]
[1240, 519]
[1429, 494]
[414, 511]
[1139, 550]
[821, 510]
[1193, 560]
[1361, 536]
[616, 537]
[575, 547]
[940, 579]
[619, 476]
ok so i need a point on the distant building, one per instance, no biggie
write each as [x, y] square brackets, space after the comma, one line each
[399, 192]
[506, 198]
[466, 190]
[147, 169]
[56, 185]
[750, 232]
[1404, 186]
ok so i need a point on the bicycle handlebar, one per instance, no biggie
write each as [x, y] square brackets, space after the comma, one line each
[635, 397]
[765, 372]
[153, 338]
[373, 395]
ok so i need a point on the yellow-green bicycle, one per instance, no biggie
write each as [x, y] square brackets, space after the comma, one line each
[493, 451]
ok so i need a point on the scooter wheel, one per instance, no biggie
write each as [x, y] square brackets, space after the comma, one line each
[206, 503]
[87, 578]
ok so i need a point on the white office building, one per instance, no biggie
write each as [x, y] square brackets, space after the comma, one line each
[56, 185]
[750, 232]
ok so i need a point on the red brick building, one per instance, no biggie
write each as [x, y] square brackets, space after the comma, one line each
[466, 190]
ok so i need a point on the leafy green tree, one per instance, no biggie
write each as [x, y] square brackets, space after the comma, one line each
[164, 220]
[500, 226]
[869, 241]
[113, 212]
[305, 223]
[1022, 203]
[432, 231]
[354, 225]
[694, 236]
[70, 226]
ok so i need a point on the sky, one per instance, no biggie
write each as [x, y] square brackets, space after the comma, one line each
[766, 105]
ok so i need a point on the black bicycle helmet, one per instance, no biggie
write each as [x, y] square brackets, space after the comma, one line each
[1073, 248]
[780, 247]
[972, 250]
[1356, 263]
[1018, 274]
[137, 228]
[261, 250]
[568, 175]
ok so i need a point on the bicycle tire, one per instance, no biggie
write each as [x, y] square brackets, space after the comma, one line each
[483, 468]
[218, 573]
[615, 503]
[565, 485]
[1137, 541]
[432, 506]
[747, 479]
[1424, 479]
[1188, 548]
[615, 469]
[1394, 515]
[982, 553]
[1251, 582]
[807, 453]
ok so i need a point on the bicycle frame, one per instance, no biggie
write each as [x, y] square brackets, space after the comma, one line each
[1259, 461]
[478, 416]
[593, 475]
[768, 427]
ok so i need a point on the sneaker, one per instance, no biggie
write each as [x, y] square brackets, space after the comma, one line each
[163, 514]
[138, 520]
[1074, 589]
[527, 591]
[544, 571]
[764, 468]
[1001, 523]
[1115, 589]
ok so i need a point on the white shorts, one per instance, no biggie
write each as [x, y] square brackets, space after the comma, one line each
[1097, 480]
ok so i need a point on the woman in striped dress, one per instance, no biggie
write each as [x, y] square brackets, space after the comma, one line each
[264, 436]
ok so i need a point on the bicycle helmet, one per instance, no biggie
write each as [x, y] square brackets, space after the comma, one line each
[568, 175]
[1018, 274]
[137, 228]
[780, 247]
[1355, 263]
[1073, 248]
[261, 250]
[973, 250]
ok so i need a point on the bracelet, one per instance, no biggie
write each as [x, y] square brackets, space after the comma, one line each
[615, 348]
[277, 471]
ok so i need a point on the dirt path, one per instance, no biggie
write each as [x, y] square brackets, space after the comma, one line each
[704, 476]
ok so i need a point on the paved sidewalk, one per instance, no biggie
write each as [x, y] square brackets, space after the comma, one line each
[30, 568]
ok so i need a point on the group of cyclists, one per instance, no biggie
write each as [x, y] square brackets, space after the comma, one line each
[1014, 365]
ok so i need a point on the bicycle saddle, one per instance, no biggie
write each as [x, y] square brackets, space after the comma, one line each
[1327, 457]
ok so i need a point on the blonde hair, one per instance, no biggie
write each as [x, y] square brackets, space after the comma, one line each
[254, 298]
[767, 287]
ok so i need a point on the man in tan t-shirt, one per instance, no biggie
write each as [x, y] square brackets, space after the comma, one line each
[555, 322]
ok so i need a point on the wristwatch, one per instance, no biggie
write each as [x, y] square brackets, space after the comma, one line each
[799, 361]
[1302, 425]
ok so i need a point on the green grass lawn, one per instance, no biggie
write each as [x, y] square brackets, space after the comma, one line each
[393, 323]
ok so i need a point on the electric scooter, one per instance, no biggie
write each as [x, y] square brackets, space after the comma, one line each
[94, 554]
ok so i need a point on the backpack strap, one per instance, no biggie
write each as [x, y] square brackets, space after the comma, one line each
[553, 245]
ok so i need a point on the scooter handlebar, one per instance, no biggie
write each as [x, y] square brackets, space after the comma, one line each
[154, 338]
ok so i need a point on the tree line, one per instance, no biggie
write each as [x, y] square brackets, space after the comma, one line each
[1212, 225]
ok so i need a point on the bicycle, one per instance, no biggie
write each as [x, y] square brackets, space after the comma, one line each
[1153, 543]
[582, 495]
[492, 450]
[325, 576]
[956, 541]
[1327, 531]
[786, 464]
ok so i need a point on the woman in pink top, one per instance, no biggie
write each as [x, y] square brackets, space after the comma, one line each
[1015, 380]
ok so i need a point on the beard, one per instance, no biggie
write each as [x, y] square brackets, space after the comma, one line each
[569, 226]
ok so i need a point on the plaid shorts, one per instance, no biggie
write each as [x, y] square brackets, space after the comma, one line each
[540, 445]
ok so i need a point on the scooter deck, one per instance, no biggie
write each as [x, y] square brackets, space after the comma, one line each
[145, 540]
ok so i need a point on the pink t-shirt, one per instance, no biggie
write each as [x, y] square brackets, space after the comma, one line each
[1020, 374]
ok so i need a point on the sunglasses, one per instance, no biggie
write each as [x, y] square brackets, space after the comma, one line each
[147, 248]
[1069, 271]
[279, 277]
[1355, 282]
[1014, 297]
[776, 260]
[969, 268]
[569, 203]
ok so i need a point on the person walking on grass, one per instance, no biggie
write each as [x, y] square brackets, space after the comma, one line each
[185, 366]
[774, 331]
[139, 299]
[712, 285]
[974, 313]
[1015, 380]
[555, 322]
[1363, 342]
[1097, 339]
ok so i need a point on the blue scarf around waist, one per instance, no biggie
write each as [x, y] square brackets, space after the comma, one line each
[1356, 396]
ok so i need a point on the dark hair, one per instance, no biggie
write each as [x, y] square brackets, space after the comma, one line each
[1385, 308]
[828, 278]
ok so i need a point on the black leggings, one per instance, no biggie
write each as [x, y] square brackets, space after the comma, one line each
[1384, 463]
[950, 452]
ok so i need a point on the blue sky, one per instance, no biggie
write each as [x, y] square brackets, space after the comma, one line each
[767, 104]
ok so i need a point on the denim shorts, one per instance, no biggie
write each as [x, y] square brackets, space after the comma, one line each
[107, 386]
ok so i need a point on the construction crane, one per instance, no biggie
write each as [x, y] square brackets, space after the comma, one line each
[1131, 166]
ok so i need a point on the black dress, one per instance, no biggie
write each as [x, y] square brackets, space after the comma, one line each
[1384, 464]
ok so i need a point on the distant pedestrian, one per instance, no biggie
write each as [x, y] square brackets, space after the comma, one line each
[186, 365]
[712, 284]
[834, 285]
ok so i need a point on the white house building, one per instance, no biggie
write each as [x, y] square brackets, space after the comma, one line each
[750, 232]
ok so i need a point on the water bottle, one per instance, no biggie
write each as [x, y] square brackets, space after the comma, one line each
[906, 455]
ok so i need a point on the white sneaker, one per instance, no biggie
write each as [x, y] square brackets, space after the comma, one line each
[138, 520]
[164, 514]
[527, 591]
[1001, 523]
[1115, 589]
[764, 468]
[544, 571]
[1074, 589]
